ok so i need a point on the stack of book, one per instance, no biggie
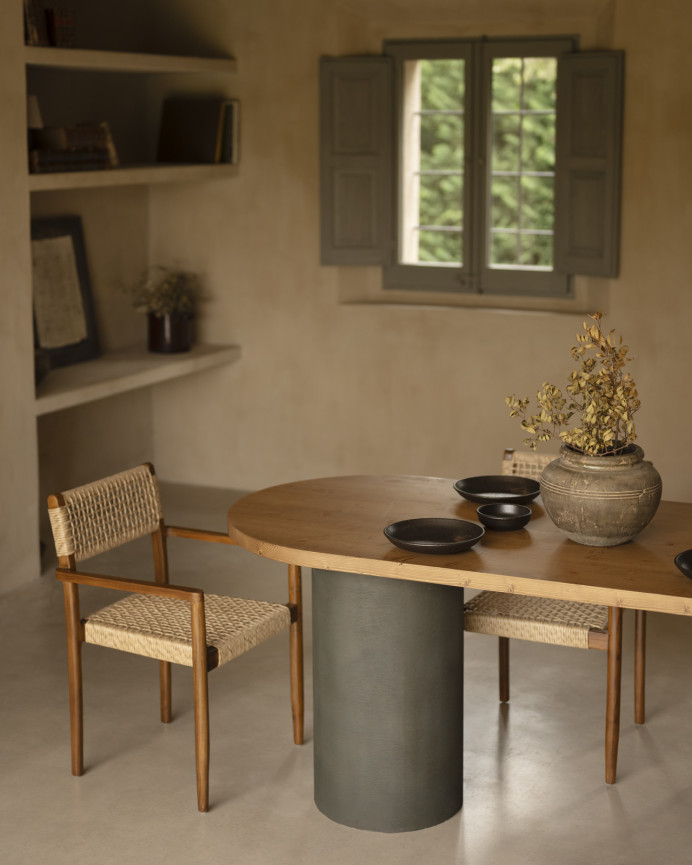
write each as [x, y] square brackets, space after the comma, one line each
[200, 130]
[48, 25]
[85, 147]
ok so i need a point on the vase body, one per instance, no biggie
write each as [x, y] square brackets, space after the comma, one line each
[169, 333]
[601, 501]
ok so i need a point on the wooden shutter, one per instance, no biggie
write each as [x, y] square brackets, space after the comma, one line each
[355, 160]
[588, 158]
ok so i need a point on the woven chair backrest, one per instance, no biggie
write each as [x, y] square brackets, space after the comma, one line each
[103, 515]
[527, 464]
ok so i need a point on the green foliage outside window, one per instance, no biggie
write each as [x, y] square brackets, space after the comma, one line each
[441, 152]
[522, 158]
[522, 161]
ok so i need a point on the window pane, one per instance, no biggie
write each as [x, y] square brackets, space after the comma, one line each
[505, 153]
[523, 143]
[432, 161]
[538, 142]
[505, 202]
[503, 248]
[540, 74]
[441, 142]
[536, 250]
[443, 247]
[506, 84]
[442, 85]
[440, 199]
[537, 210]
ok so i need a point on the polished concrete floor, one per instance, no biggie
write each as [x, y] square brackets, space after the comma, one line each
[533, 770]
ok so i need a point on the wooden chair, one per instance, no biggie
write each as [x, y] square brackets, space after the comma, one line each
[173, 624]
[563, 623]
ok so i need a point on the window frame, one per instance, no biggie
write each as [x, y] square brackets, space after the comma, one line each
[474, 276]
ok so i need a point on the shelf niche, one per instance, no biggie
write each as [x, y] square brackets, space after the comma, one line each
[123, 371]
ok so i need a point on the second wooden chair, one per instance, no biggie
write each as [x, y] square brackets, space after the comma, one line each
[563, 623]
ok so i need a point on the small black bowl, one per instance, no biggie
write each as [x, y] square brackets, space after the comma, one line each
[504, 517]
[684, 562]
[498, 488]
[434, 535]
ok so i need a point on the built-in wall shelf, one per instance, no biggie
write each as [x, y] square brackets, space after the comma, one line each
[130, 175]
[122, 371]
[122, 61]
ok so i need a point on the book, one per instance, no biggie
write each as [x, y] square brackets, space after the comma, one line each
[191, 130]
[35, 23]
[31, 32]
[230, 132]
[50, 161]
[93, 141]
[60, 24]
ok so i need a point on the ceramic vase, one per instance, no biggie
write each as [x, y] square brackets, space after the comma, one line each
[169, 333]
[601, 501]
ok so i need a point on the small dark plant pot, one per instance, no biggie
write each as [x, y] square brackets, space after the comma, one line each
[170, 333]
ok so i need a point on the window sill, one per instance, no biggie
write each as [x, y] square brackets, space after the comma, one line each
[363, 285]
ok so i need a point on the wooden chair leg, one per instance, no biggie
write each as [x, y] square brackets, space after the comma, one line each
[639, 666]
[613, 692]
[201, 701]
[74, 669]
[165, 679]
[296, 652]
[503, 658]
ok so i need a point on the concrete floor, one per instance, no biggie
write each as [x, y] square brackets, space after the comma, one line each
[533, 770]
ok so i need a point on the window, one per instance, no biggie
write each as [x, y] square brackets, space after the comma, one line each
[475, 166]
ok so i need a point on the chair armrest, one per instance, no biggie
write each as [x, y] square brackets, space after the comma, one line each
[198, 535]
[142, 587]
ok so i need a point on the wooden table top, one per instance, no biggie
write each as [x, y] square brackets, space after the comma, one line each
[337, 524]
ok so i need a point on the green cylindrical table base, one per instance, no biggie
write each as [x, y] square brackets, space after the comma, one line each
[388, 688]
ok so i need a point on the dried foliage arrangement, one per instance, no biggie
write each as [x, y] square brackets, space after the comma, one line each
[162, 291]
[600, 392]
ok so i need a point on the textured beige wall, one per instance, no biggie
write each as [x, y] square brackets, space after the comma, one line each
[326, 388]
[19, 541]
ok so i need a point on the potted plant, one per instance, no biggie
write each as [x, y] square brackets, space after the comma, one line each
[600, 491]
[168, 297]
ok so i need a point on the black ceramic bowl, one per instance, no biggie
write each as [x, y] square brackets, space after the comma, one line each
[503, 516]
[434, 535]
[498, 488]
[684, 562]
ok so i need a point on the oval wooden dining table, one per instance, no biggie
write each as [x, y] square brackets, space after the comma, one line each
[388, 624]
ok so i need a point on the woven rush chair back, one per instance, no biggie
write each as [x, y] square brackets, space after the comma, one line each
[526, 464]
[100, 516]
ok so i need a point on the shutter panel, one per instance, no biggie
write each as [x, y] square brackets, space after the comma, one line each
[588, 159]
[355, 159]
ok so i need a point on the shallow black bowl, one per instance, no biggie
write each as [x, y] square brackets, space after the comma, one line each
[684, 562]
[504, 516]
[434, 535]
[498, 488]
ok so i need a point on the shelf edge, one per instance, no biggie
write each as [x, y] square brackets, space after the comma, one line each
[153, 369]
[129, 176]
[124, 61]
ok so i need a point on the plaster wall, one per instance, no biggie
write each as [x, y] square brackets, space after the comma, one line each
[19, 541]
[326, 388]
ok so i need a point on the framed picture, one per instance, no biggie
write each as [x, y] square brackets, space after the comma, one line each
[64, 323]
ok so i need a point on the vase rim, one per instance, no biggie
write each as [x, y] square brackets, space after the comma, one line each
[629, 454]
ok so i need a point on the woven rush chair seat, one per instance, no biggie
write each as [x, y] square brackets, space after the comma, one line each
[170, 623]
[160, 627]
[541, 620]
[558, 622]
